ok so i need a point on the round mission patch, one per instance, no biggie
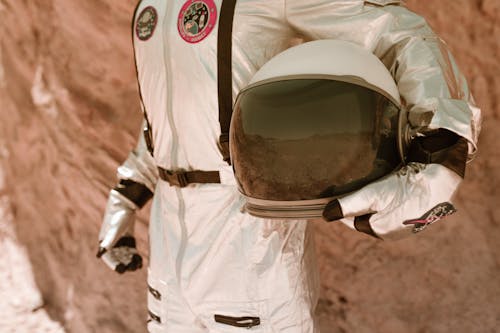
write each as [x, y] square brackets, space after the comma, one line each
[196, 20]
[146, 23]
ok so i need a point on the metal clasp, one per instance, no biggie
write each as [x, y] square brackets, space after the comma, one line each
[223, 145]
[174, 178]
[177, 178]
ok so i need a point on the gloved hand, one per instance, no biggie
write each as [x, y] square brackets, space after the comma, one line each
[117, 246]
[123, 256]
[410, 199]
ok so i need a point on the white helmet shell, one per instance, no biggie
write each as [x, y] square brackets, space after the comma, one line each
[325, 58]
[317, 121]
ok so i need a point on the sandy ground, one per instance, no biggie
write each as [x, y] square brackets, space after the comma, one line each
[69, 115]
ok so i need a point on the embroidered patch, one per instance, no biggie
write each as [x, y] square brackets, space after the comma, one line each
[196, 20]
[146, 23]
[438, 212]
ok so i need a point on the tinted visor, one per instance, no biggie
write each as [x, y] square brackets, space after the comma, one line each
[311, 138]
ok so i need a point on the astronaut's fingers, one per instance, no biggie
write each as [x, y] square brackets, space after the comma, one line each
[408, 183]
[121, 268]
[399, 205]
[401, 221]
[110, 260]
[136, 262]
[367, 200]
[123, 256]
[122, 259]
[382, 225]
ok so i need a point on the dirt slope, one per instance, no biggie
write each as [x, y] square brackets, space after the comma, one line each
[68, 117]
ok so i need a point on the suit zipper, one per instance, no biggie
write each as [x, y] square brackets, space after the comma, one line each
[169, 108]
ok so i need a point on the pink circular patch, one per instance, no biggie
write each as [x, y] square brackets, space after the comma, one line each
[196, 20]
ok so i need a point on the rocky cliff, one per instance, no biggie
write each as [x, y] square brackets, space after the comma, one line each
[69, 114]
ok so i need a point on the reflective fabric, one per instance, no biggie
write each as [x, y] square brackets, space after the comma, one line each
[304, 139]
[419, 195]
[207, 253]
[119, 215]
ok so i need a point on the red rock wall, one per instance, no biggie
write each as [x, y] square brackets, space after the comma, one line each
[64, 139]
[69, 115]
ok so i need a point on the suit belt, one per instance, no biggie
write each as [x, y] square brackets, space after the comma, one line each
[182, 178]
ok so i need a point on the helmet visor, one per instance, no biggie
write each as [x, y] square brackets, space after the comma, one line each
[305, 139]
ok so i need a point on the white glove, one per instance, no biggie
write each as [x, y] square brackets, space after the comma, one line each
[123, 256]
[117, 246]
[400, 204]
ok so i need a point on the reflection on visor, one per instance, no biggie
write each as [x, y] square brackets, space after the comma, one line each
[307, 139]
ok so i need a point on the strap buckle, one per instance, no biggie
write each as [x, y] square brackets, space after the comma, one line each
[174, 178]
[178, 178]
[183, 178]
[223, 145]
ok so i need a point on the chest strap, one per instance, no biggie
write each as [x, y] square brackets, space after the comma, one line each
[224, 74]
[184, 178]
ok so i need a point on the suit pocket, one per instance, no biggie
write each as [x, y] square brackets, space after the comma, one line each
[234, 317]
[156, 311]
[384, 2]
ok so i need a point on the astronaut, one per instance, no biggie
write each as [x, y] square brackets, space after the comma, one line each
[213, 267]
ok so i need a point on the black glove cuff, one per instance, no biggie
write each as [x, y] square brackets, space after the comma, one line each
[442, 147]
[135, 192]
[128, 241]
[333, 211]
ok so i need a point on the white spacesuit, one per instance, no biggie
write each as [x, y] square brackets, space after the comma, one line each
[212, 267]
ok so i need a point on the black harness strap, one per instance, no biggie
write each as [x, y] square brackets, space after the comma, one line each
[224, 74]
[182, 178]
[442, 147]
[136, 192]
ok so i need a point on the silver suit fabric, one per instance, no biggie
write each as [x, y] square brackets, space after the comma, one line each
[207, 256]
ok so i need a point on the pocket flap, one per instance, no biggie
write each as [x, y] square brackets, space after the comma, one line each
[384, 2]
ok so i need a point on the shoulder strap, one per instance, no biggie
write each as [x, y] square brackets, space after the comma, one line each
[147, 125]
[224, 74]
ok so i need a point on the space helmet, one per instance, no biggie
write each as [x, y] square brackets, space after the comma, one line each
[317, 121]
